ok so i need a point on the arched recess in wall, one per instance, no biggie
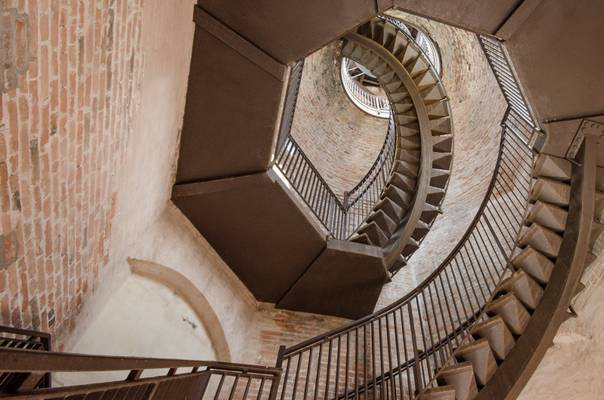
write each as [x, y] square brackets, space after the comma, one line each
[184, 288]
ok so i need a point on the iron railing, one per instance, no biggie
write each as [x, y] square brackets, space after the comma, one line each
[15, 338]
[144, 378]
[396, 352]
[291, 99]
[340, 218]
[372, 104]
[508, 82]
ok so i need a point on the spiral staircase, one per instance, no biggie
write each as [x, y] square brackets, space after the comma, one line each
[412, 197]
[479, 325]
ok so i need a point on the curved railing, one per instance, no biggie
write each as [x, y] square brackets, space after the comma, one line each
[372, 104]
[395, 352]
[341, 218]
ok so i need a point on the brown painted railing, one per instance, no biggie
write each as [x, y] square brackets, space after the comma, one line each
[14, 338]
[395, 352]
[144, 378]
[341, 218]
[291, 99]
[504, 73]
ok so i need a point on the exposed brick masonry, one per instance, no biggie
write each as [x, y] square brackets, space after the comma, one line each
[64, 125]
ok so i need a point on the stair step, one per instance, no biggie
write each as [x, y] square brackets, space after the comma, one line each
[435, 195]
[534, 263]
[374, 233]
[403, 182]
[441, 126]
[461, 377]
[548, 215]
[441, 160]
[410, 142]
[406, 168]
[443, 143]
[420, 232]
[439, 177]
[496, 332]
[412, 156]
[399, 197]
[550, 191]
[552, 167]
[410, 248]
[439, 393]
[394, 211]
[362, 238]
[480, 355]
[526, 289]
[539, 237]
[386, 224]
[513, 313]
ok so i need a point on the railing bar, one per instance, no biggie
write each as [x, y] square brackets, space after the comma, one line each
[297, 377]
[463, 304]
[219, 388]
[472, 285]
[418, 370]
[440, 301]
[317, 380]
[512, 182]
[347, 364]
[233, 388]
[484, 243]
[382, 370]
[421, 325]
[510, 211]
[398, 351]
[307, 372]
[463, 282]
[390, 364]
[365, 358]
[338, 366]
[515, 191]
[328, 370]
[261, 389]
[452, 295]
[285, 378]
[373, 354]
[475, 254]
[505, 216]
[443, 350]
[513, 153]
[356, 362]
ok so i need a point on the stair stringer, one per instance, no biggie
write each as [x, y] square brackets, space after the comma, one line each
[530, 348]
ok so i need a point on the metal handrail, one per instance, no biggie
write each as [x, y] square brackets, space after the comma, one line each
[341, 218]
[372, 104]
[175, 378]
[399, 348]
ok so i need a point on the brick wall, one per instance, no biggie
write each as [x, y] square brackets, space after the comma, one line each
[65, 117]
[341, 140]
